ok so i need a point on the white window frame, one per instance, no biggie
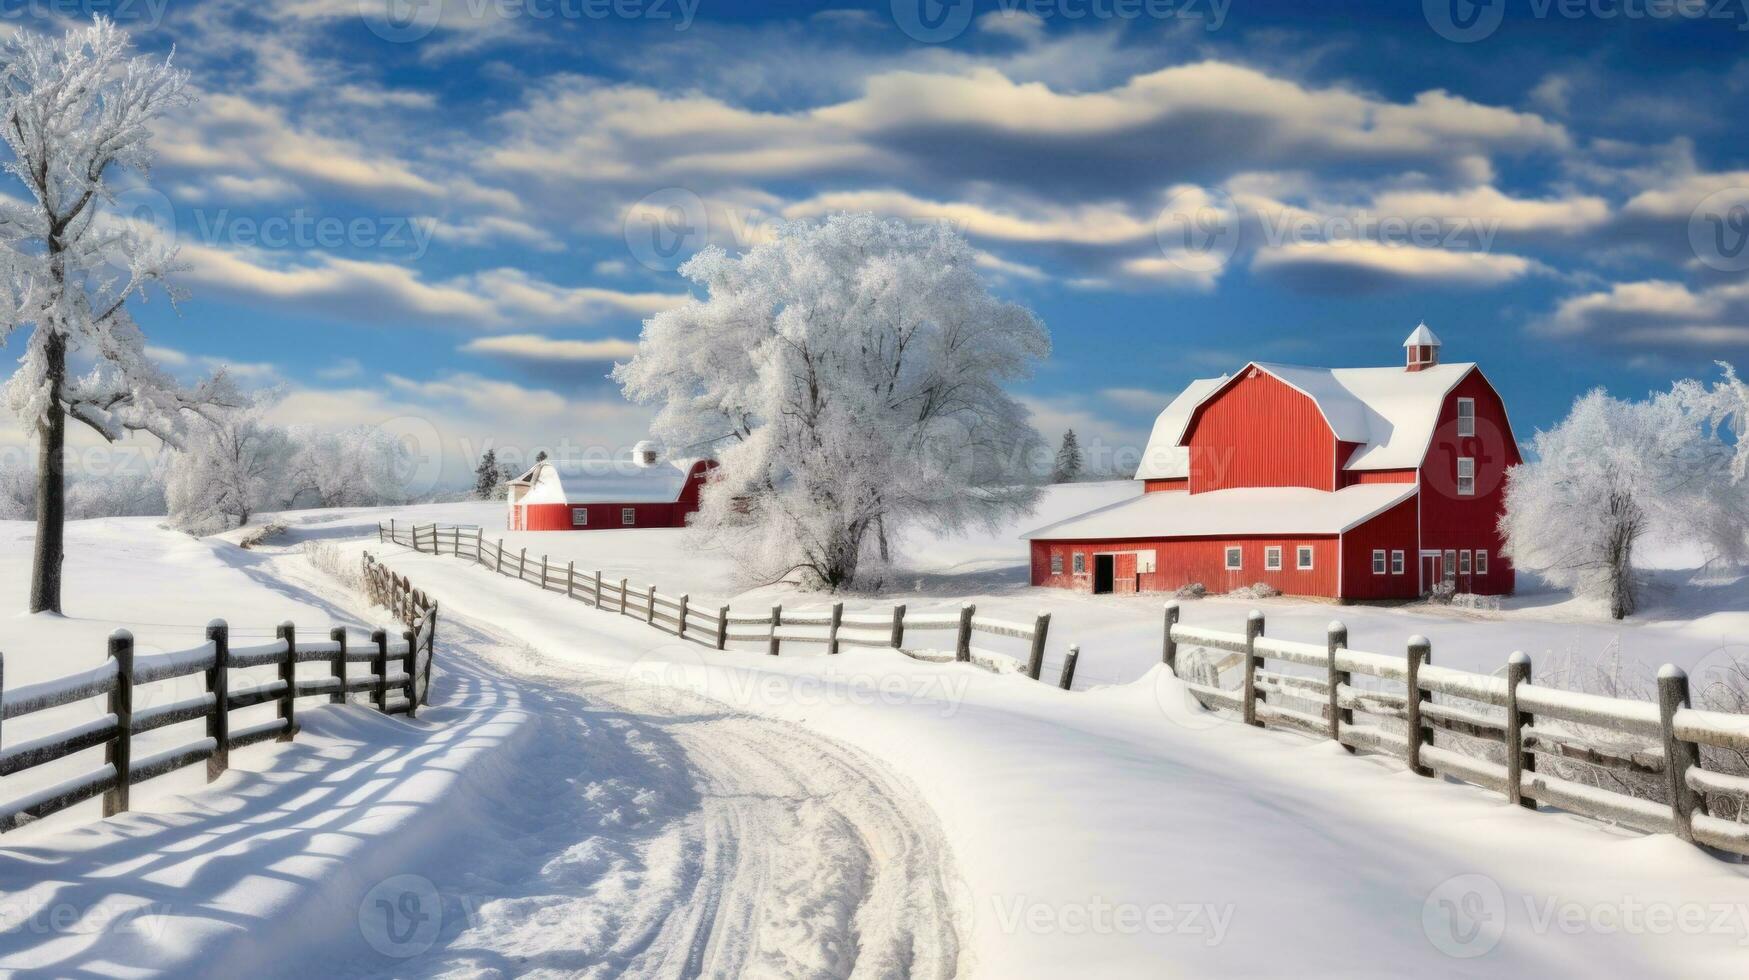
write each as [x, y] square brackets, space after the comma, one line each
[1080, 563]
[1397, 562]
[628, 516]
[1272, 558]
[1235, 559]
[1466, 424]
[579, 517]
[1303, 557]
[1378, 561]
[1448, 565]
[1464, 562]
[1481, 561]
[1466, 482]
[1056, 564]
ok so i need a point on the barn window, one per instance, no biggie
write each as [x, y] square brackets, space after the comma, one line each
[1450, 564]
[1378, 562]
[1396, 563]
[1481, 562]
[1271, 560]
[1466, 476]
[1080, 563]
[1056, 564]
[1235, 559]
[628, 516]
[1466, 416]
[579, 517]
[1304, 557]
[1464, 562]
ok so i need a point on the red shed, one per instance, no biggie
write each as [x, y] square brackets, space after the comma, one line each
[1348, 483]
[642, 490]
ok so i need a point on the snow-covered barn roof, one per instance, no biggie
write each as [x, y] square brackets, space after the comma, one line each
[1241, 511]
[603, 482]
[1391, 412]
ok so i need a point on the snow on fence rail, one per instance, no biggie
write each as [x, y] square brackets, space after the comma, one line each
[676, 612]
[1513, 721]
[123, 674]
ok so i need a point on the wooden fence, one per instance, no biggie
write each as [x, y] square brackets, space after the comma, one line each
[719, 625]
[1496, 725]
[398, 677]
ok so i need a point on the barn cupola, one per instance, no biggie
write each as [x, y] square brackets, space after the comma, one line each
[1422, 347]
[646, 453]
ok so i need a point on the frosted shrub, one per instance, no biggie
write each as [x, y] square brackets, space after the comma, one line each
[1195, 590]
[330, 561]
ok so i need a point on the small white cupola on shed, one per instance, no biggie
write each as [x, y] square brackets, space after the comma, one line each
[1422, 347]
[647, 453]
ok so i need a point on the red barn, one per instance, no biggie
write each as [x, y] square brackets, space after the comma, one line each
[1349, 483]
[642, 490]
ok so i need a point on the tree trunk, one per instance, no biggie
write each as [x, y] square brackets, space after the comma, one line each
[881, 532]
[51, 485]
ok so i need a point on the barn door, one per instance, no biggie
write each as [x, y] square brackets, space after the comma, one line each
[1124, 576]
[1104, 569]
[1432, 571]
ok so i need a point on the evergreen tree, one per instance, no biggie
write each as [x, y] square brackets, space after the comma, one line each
[1069, 460]
[486, 476]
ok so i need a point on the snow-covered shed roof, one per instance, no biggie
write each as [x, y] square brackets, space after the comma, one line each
[1391, 412]
[604, 481]
[1245, 510]
[1164, 458]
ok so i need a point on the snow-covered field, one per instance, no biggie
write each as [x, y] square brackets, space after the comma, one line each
[589, 796]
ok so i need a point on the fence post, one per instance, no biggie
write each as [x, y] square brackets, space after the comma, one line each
[898, 625]
[543, 573]
[962, 645]
[1336, 638]
[119, 750]
[1518, 761]
[832, 629]
[570, 580]
[722, 627]
[498, 564]
[1420, 651]
[1169, 646]
[1679, 756]
[379, 665]
[1067, 682]
[684, 599]
[650, 610]
[776, 621]
[430, 655]
[392, 531]
[1035, 660]
[522, 566]
[288, 675]
[338, 665]
[622, 595]
[480, 544]
[218, 722]
[412, 639]
[1253, 630]
[597, 588]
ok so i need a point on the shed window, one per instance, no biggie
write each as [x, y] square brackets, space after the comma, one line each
[1235, 559]
[1464, 562]
[1466, 417]
[1080, 563]
[1378, 562]
[579, 516]
[1450, 571]
[628, 516]
[1304, 556]
[1466, 484]
[1271, 559]
[1056, 564]
[1396, 563]
[1481, 562]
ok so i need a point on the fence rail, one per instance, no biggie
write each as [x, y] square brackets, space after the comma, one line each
[122, 675]
[1512, 721]
[676, 613]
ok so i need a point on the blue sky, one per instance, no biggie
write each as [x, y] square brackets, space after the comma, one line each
[454, 215]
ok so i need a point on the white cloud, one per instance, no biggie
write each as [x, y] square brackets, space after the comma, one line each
[1376, 263]
[1655, 312]
[529, 346]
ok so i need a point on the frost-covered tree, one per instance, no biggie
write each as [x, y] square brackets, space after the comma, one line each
[1069, 462]
[848, 376]
[77, 110]
[17, 493]
[355, 467]
[227, 471]
[486, 476]
[1613, 471]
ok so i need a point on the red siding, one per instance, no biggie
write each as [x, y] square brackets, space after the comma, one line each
[608, 516]
[1470, 523]
[1181, 561]
[1260, 432]
[1155, 486]
[1352, 477]
[1394, 530]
